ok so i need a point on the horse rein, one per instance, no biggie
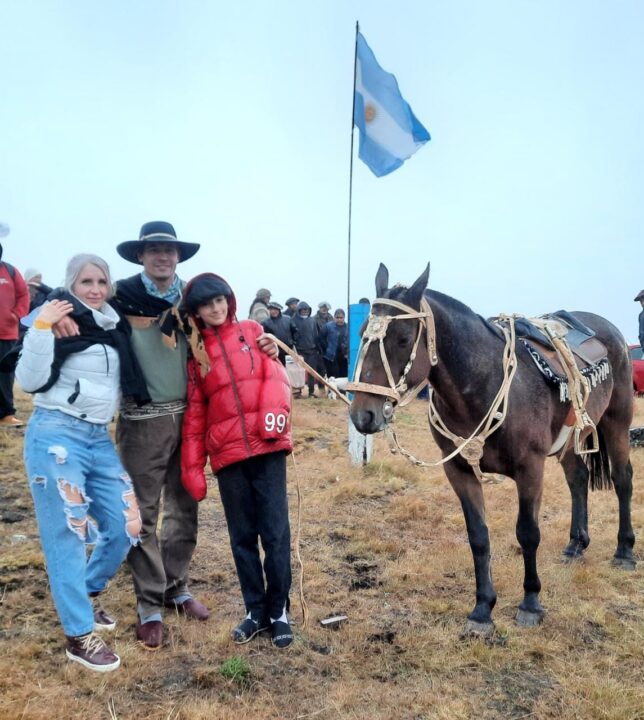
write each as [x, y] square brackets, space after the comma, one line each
[376, 331]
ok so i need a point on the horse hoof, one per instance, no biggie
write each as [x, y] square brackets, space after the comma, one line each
[474, 629]
[624, 563]
[573, 551]
[529, 619]
[568, 558]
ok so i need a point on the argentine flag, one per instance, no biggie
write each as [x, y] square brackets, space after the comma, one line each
[389, 131]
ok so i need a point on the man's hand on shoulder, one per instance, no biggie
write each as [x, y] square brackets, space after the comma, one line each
[66, 327]
[266, 344]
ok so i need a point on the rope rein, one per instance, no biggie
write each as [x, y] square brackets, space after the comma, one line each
[472, 448]
[296, 543]
[300, 361]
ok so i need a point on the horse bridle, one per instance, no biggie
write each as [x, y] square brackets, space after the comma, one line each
[376, 330]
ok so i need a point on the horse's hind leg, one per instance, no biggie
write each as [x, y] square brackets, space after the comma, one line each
[616, 437]
[577, 478]
[530, 611]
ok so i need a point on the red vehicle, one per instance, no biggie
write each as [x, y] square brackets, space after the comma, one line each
[638, 368]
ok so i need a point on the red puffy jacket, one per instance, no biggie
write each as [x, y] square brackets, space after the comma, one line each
[241, 408]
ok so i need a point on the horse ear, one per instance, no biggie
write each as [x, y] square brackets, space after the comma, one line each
[382, 280]
[417, 290]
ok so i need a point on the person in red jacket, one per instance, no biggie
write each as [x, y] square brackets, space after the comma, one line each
[14, 304]
[238, 414]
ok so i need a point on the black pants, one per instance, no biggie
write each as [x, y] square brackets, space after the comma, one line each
[253, 493]
[336, 368]
[6, 381]
[314, 359]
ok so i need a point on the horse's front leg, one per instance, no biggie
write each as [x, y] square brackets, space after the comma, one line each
[529, 487]
[470, 493]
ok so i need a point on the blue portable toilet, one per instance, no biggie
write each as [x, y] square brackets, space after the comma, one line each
[358, 313]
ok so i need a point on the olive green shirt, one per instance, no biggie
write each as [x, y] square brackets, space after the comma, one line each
[165, 370]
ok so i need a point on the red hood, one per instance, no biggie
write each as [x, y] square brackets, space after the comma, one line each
[232, 300]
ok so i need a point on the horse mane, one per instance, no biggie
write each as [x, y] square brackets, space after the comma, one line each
[448, 304]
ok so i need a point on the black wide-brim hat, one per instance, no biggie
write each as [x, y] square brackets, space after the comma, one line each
[156, 231]
[639, 296]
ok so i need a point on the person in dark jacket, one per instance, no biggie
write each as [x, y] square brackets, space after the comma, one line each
[291, 307]
[335, 341]
[282, 327]
[307, 343]
[640, 298]
[323, 315]
[239, 408]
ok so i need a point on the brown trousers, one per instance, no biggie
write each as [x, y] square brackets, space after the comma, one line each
[150, 450]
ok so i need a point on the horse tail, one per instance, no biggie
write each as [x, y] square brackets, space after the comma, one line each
[599, 466]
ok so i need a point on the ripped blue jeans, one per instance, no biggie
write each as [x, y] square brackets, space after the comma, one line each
[82, 496]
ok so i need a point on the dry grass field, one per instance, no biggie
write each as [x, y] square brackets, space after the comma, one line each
[384, 545]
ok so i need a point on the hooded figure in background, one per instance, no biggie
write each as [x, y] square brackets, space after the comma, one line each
[307, 343]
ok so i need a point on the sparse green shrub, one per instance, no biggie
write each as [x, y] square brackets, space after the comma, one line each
[235, 669]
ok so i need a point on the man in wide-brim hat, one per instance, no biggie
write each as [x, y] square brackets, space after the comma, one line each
[149, 437]
[155, 232]
[640, 298]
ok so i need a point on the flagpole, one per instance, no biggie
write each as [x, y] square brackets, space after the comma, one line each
[353, 104]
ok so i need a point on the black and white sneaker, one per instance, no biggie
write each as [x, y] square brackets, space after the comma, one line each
[281, 634]
[247, 629]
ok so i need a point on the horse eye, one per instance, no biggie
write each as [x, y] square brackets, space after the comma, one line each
[404, 342]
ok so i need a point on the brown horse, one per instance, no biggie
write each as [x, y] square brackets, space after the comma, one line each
[462, 359]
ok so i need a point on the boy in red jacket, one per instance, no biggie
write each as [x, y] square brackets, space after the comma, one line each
[238, 414]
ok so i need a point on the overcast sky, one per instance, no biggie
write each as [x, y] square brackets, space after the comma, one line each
[232, 121]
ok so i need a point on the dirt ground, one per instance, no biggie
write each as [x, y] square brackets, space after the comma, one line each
[384, 545]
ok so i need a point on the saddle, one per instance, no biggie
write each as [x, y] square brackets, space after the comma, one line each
[570, 357]
[548, 336]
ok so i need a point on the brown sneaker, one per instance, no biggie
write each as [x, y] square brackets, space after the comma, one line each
[11, 421]
[191, 608]
[91, 652]
[102, 620]
[150, 634]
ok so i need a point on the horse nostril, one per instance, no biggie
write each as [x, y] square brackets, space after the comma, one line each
[366, 420]
[363, 420]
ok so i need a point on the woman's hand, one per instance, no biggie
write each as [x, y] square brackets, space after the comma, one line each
[54, 311]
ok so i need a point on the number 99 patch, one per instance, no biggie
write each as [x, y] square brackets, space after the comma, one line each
[274, 425]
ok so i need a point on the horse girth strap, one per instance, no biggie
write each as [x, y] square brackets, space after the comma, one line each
[376, 330]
